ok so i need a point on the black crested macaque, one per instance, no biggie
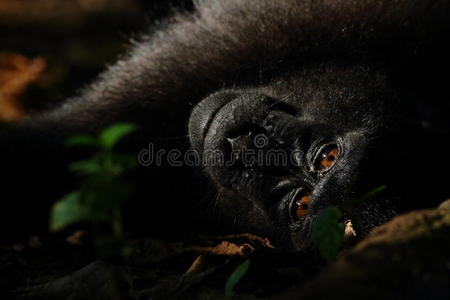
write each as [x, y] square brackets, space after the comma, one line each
[333, 97]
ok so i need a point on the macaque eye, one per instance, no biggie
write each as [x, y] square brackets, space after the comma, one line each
[301, 206]
[327, 157]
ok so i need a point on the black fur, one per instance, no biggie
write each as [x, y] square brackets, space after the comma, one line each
[376, 66]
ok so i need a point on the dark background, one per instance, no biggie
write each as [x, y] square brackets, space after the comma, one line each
[76, 39]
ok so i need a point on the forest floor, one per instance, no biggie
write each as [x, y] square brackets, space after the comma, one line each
[406, 258]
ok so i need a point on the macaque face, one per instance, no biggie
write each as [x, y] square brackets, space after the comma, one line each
[282, 152]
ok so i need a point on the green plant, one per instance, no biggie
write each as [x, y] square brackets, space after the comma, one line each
[369, 196]
[372, 194]
[103, 188]
[234, 278]
[328, 232]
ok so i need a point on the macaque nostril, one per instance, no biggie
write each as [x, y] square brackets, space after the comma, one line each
[240, 142]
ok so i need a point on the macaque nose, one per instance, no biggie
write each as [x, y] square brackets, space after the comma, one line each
[228, 123]
[227, 118]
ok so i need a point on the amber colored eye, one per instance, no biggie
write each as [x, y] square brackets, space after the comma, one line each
[301, 206]
[327, 158]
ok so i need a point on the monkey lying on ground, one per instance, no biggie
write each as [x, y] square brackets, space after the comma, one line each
[351, 93]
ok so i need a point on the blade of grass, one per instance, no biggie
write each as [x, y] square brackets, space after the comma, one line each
[234, 278]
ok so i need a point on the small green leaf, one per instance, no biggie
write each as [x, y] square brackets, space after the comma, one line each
[90, 166]
[82, 140]
[111, 135]
[372, 194]
[352, 203]
[67, 211]
[234, 278]
[328, 233]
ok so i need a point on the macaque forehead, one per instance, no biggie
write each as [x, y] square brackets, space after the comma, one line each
[329, 92]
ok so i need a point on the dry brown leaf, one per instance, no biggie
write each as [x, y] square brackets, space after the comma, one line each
[16, 73]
